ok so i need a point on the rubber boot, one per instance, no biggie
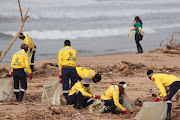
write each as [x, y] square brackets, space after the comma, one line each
[169, 111]
[17, 95]
[21, 96]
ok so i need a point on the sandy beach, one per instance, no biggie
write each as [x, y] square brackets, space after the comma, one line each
[113, 68]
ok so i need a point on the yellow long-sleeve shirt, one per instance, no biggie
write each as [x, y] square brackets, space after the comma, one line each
[20, 60]
[85, 72]
[67, 57]
[163, 81]
[112, 93]
[86, 91]
[28, 41]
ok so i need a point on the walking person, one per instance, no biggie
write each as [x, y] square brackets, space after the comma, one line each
[67, 67]
[31, 48]
[163, 82]
[138, 36]
[20, 61]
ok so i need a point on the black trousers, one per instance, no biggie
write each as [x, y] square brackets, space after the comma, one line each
[68, 73]
[32, 60]
[19, 75]
[174, 87]
[111, 102]
[78, 99]
[138, 38]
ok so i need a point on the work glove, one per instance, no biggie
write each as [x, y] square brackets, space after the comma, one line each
[31, 76]
[97, 96]
[165, 98]
[11, 74]
[131, 29]
[126, 111]
[60, 81]
[60, 76]
[157, 99]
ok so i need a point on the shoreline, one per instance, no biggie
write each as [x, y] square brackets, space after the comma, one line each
[155, 59]
[37, 61]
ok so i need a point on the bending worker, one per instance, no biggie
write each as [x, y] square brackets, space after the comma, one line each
[87, 72]
[81, 95]
[163, 81]
[20, 61]
[67, 67]
[31, 48]
[112, 98]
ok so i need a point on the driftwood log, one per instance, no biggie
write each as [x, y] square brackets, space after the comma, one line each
[171, 51]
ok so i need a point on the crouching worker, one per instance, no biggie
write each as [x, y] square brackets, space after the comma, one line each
[163, 81]
[87, 72]
[81, 95]
[20, 61]
[112, 98]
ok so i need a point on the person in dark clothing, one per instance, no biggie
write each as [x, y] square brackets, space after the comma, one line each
[138, 36]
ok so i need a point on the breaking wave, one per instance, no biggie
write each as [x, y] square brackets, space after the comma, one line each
[74, 34]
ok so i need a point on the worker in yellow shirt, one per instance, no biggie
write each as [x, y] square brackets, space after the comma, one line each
[81, 95]
[87, 72]
[112, 98]
[163, 81]
[67, 67]
[20, 61]
[31, 48]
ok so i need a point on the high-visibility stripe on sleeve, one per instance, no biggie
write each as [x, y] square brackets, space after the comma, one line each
[114, 87]
[91, 74]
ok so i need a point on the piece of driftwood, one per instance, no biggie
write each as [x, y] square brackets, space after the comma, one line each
[169, 51]
[20, 10]
[35, 84]
[14, 39]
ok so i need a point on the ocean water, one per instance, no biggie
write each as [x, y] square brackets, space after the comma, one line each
[94, 27]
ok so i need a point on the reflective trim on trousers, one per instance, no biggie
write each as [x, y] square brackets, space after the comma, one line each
[31, 63]
[169, 101]
[65, 91]
[23, 90]
[16, 90]
[89, 100]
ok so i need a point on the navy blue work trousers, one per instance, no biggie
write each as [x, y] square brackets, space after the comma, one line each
[111, 102]
[19, 75]
[68, 73]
